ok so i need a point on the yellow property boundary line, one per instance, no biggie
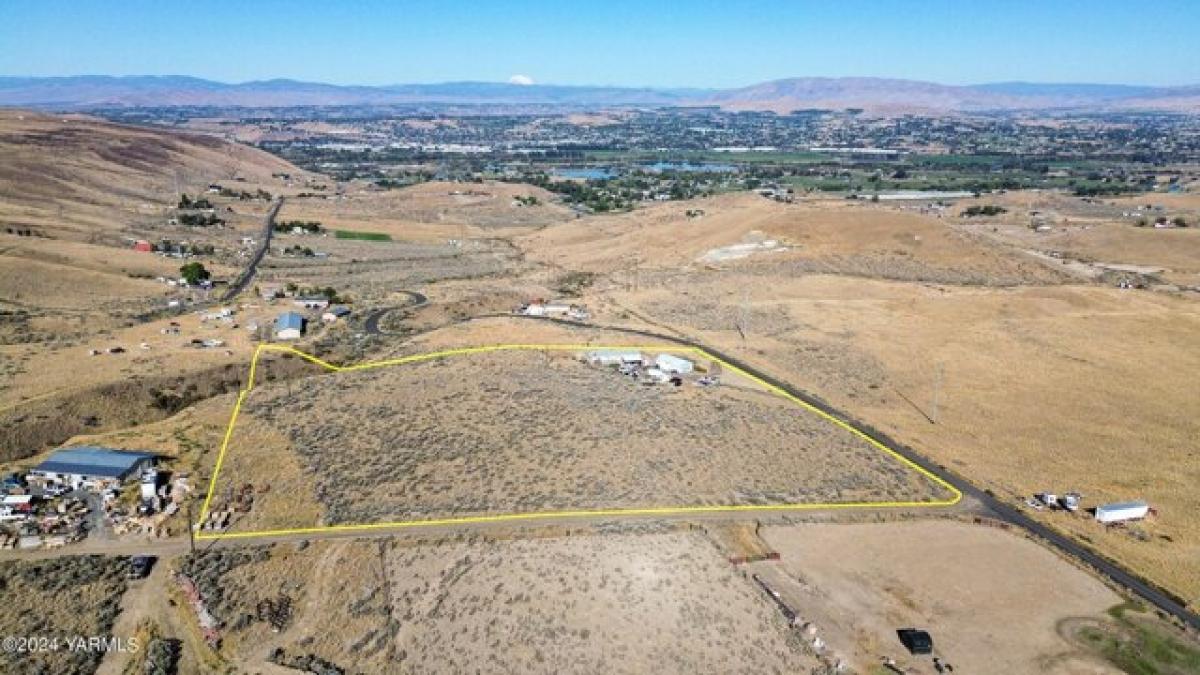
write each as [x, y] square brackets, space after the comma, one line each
[542, 515]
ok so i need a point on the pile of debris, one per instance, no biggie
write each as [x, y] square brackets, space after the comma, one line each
[208, 623]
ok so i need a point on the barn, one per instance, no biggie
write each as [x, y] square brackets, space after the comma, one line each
[289, 326]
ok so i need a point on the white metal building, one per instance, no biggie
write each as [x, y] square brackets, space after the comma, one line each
[1122, 511]
[673, 364]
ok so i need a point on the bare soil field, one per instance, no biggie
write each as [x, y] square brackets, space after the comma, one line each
[617, 603]
[992, 601]
[533, 431]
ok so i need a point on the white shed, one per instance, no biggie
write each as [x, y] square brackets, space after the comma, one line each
[673, 364]
[1122, 511]
[656, 375]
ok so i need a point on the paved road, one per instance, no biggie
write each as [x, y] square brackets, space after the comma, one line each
[371, 326]
[248, 275]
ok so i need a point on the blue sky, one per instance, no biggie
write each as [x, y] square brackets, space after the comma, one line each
[651, 42]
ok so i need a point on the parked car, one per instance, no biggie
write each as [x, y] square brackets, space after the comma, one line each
[915, 640]
[55, 490]
[140, 566]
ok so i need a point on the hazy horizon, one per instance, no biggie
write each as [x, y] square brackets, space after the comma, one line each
[618, 85]
[652, 44]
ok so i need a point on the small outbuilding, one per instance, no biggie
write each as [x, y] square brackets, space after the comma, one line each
[674, 365]
[335, 312]
[289, 326]
[92, 467]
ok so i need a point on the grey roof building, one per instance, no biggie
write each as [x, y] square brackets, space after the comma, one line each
[92, 463]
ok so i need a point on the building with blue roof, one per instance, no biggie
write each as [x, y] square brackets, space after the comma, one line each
[289, 326]
[92, 466]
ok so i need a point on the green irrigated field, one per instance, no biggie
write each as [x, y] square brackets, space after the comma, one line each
[364, 236]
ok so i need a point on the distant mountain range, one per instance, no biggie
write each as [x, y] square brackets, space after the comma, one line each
[872, 94]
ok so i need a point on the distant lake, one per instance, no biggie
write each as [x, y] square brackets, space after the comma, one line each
[585, 173]
[688, 166]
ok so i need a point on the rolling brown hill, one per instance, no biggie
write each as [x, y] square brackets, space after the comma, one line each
[78, 177]
[76, 193]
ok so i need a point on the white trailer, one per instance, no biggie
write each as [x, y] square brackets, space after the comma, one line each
[1122, 511]
[614, 357]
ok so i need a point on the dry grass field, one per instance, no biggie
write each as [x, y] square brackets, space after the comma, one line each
[615, 603]
[369, 272]
[79, 178]
[61, 598]
[1102, 235]
[992, 601]
[431, 212]
[820, 238]
[1059, 388]
[536, 431]
[75, 193]
[1043, 387]
[965, 338]
[52, 391]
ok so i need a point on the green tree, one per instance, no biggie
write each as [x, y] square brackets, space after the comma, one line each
[194, 273]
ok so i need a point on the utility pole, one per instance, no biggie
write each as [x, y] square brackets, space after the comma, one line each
[937, 390]
[744, 315]
[191, 527]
